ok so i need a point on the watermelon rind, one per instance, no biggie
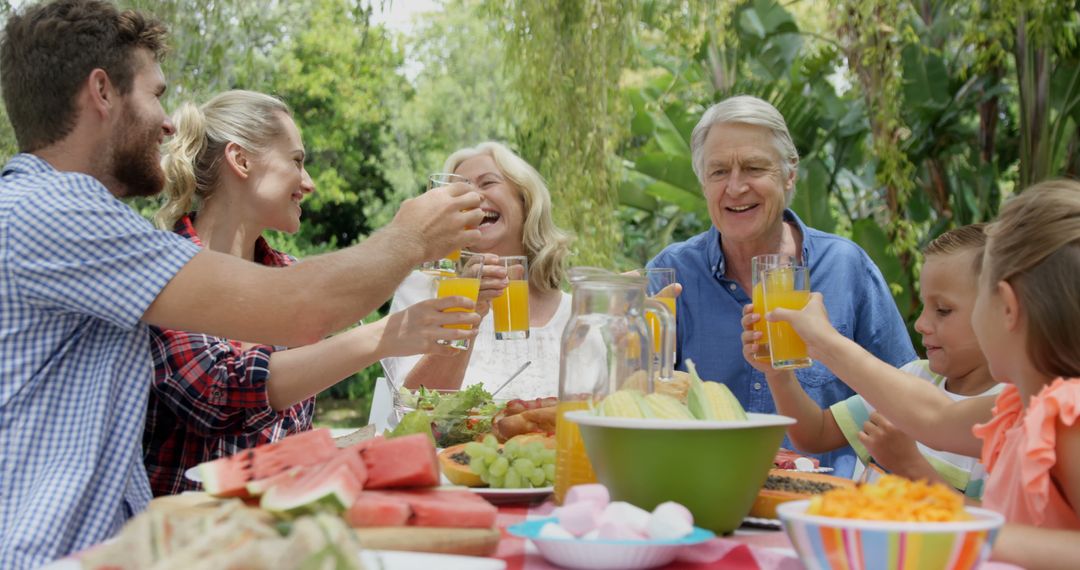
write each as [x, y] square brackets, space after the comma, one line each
[332, 492]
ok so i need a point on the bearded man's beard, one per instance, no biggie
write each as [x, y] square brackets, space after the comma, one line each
[135, 160]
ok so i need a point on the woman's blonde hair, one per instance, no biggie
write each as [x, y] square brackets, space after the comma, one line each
[192, 158]
[545, 244]
[1035, 246]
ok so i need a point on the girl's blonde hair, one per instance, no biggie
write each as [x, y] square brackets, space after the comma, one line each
[192, 158]
[546, 245]
[1035, 246]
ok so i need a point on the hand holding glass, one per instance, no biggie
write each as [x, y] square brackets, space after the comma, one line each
[463, 281]
[758, 265]
[511, 308]
[786, 288]
[447, 263]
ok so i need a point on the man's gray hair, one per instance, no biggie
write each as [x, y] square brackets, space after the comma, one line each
[746, 110]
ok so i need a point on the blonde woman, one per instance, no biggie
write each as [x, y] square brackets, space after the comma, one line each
[234, 169]
[517, 207]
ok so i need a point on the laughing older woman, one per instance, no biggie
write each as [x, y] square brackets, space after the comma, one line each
[747, 165]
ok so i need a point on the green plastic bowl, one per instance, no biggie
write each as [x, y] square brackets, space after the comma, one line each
[713, 468]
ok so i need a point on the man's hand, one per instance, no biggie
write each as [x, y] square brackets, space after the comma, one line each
[441, 220]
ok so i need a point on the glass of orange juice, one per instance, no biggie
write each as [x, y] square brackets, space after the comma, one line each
[447, 263]
[661, 286]
[463, 280]
[511, 307]
[758, 265]
[787, 288]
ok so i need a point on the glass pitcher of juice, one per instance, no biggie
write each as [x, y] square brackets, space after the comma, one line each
[605, 344]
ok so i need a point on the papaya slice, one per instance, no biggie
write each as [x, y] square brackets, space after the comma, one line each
[454, 463]
[782, 486]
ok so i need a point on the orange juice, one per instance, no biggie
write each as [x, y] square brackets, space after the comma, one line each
[511, 310]
[572, 465]
[654, 323]
[459, 286]
[453, 255]
[762, 353]
[788, 349]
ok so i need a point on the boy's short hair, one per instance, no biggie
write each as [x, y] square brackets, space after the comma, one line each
[971, 236]
[50, 48]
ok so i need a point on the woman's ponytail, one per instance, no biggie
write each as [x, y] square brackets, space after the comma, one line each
[181, 157]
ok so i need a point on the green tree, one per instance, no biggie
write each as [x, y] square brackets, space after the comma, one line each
[565, 61]
[459, 97]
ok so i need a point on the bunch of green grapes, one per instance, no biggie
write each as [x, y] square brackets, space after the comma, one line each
[514, 466]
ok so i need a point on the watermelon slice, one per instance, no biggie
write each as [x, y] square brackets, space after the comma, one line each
[257, 487]
[330, 488]
[452, 508]
[406, 461]
[229, 476]
[376, 508]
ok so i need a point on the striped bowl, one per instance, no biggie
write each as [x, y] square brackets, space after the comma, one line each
[852, 544]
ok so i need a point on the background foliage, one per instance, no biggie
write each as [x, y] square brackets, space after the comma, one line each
[910, 117]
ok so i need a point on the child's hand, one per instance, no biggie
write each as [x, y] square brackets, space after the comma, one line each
[493, 282]
[811, 323]
[890, 447]
[419, 328]
[750, 338]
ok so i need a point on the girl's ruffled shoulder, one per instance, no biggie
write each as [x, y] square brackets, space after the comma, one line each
[1008, 409]
[1058, 401]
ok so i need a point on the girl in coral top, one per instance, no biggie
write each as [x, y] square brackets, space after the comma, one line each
[1027, 322]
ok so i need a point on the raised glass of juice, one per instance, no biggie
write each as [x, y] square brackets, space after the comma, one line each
[447, 263]
[787, 288]
[758, 265]
[461, 279]
[511, 307]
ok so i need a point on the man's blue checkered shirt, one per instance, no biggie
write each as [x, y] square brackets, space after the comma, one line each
[78, 268]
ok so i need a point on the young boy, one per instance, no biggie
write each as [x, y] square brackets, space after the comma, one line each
[953, 363]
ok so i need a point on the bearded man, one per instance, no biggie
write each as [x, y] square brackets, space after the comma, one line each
[82, 274]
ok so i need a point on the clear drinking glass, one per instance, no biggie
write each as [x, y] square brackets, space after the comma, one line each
[511, 308]
[786, 288]
[758, 265]
[447, 263]
[661, 287]
[462, 278]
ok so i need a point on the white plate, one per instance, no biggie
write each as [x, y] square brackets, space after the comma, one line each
[511, 496]
[382, 559]
[192, 474]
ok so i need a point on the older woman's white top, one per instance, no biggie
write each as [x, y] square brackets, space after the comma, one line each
[492, 361]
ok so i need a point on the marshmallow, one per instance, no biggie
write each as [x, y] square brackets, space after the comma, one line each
[578, 518]
[553, 530]
[593, 492]
[676, 508]
[617, 530]
[803, 464]
[670, 521]
[635, 518]
[591, 535]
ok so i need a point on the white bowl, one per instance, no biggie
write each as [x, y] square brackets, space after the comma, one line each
[606, 554]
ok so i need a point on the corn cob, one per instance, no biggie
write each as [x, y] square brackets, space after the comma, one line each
[667, 407]
[712, 400]
[621, 404]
